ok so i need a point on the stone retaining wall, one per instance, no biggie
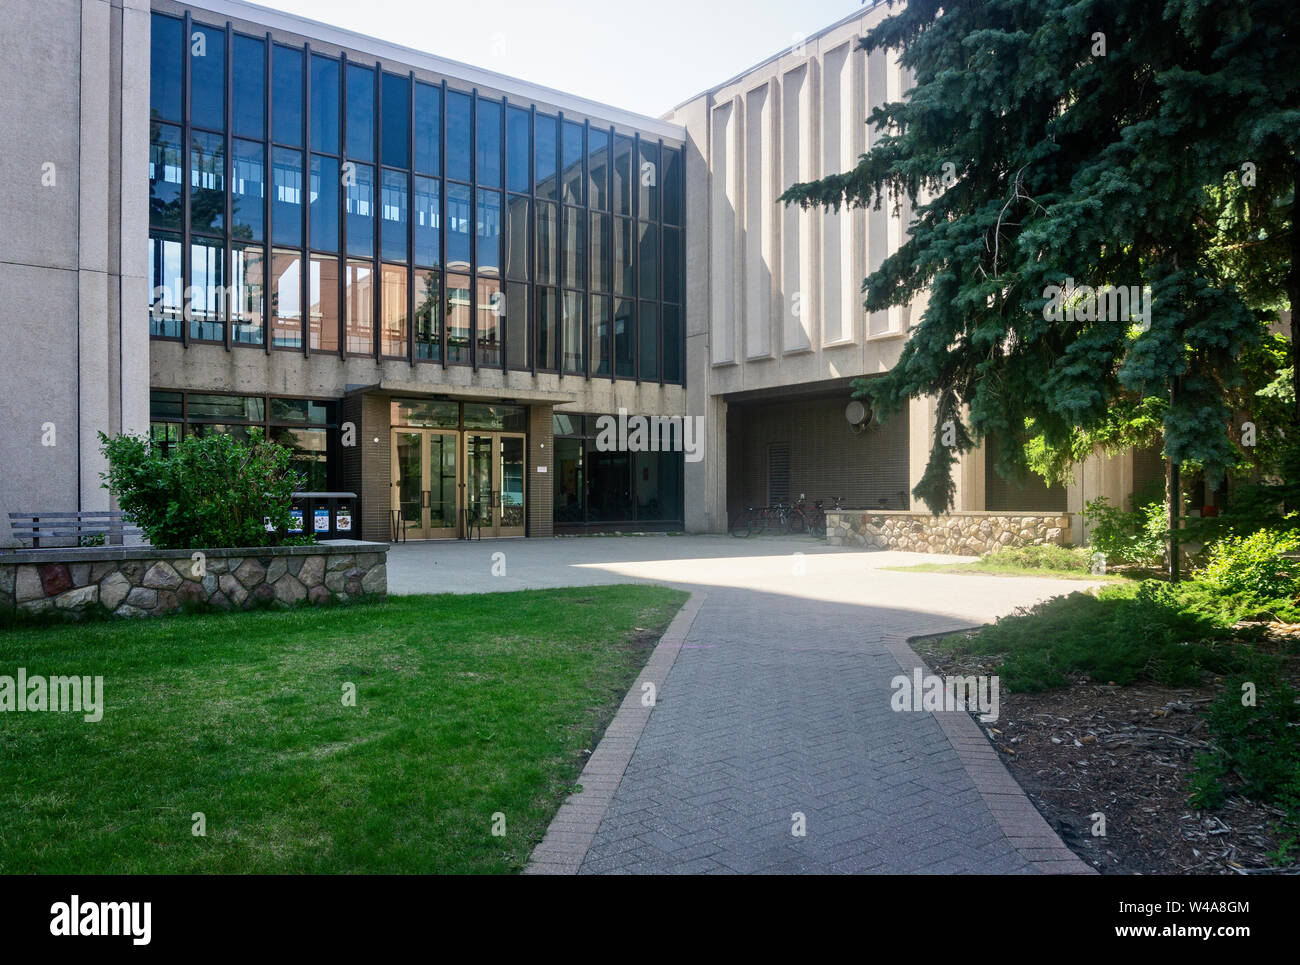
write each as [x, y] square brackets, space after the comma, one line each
[143, 581]
[965, 534]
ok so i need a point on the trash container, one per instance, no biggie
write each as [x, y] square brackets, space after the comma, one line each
[326, 515]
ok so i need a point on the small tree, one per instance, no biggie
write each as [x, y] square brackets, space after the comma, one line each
[210, 491]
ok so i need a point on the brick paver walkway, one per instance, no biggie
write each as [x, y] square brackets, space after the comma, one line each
[773, 701]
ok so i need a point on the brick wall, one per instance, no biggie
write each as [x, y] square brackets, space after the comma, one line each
[541, 485]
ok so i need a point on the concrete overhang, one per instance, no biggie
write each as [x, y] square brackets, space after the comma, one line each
[455, 393]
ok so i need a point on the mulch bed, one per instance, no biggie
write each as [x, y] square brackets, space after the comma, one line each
[1126, 752]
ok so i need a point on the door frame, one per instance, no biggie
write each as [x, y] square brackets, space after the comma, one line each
[426, 529]
[495, 528]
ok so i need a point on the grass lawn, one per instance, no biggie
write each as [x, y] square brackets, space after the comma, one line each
[465, 706]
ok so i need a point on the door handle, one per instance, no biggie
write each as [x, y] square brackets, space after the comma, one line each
[496, 499]
[424, 498]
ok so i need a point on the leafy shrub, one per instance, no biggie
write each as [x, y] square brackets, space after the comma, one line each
[209, 491]
[1256, 749]
[1048, 557]
[1128, 537]
[1124, 633]
[1255, 567]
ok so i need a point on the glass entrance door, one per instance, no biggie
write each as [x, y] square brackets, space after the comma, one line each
[494, 483]
[424, 484]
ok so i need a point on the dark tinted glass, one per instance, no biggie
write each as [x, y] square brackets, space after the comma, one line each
[459, 221]
[394, 216]
[548, 242]
[649, 260]
[166, 173]
[624, 278]
[397, 120]
[602, 273]
[428, 246]
[575, 247]
[648, 330]
[545, 349]
[598, 168]
[487, 138]
[672, 322]
[428, 128]
[166, 51]
[286, 197]
[247, 190]
[458, 135]
[359, 208]
[248, 111]
[546, 133]
[648, 176]
[207, 77]
[207, 181]
[672, 265]
[571, 160]
[518, 235]
[324, 104]
[361, 113]
[672, 186]
[624, 333]
[518, 150]
[324, 203]
[286, 96]
[600, 334]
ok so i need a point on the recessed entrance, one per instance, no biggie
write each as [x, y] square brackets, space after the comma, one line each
[449, 483]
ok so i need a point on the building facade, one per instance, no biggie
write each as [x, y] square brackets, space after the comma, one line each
[439, 285]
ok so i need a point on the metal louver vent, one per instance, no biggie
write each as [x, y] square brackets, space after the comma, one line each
[778, 471]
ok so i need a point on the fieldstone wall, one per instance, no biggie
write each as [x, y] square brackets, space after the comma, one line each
[964, 534]
[143, 581]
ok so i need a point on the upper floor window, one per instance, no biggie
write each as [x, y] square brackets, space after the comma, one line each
[165, 52]
[360, 131]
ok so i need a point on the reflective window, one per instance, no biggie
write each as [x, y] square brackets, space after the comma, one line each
[207, 182]
[519, 174]
[359, 209]
[393, 217]
[487, 140]
[648, 175]
[672, 186]
[247, 291]
[624, 279]
[286, 299]
[458, 228]
[166, 49]
[546, 348]
[226, 407]
[324, 104]
[248, 109]
[548, 242]
[360, 131]
[491, 312]
[322, 305]
[428, 128]
[488, 220]
[393, 311]
[598, 168]
[247, 190]
[459, 320]
[623, 175]
[396, 129]
[428, 315]
[572, 308]
[600, 335]
[602, 271]
[324, 203]
[517, 235]
[458, 135]
[286, 197]
[624, 339]
[648, 335]
[358, 304]
[672, 338]
[546, 135]
[207, 77]
[207, 291]
[571, 161]
[575, 247]
[648, 264]
[428, 222]
[166, 285]
[166, 169]
[286, 96]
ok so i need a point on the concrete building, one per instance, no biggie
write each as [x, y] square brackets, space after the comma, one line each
[437, 283]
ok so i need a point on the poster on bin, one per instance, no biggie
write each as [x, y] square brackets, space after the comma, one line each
[343, 521]
[322, 520]
[295, 520]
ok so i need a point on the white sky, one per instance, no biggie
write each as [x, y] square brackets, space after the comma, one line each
[644, 57]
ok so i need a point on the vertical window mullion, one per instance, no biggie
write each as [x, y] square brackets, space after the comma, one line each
[227, 258]
[473, 230]
[442, 226]
[343, 205]
[186, 161]
[561, 326]
[376, 285]
[503, 244]
[410, 220]
[532, 298]
[659, 259]
[304, 323]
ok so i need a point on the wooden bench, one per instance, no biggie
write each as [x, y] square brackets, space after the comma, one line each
[38, 526]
